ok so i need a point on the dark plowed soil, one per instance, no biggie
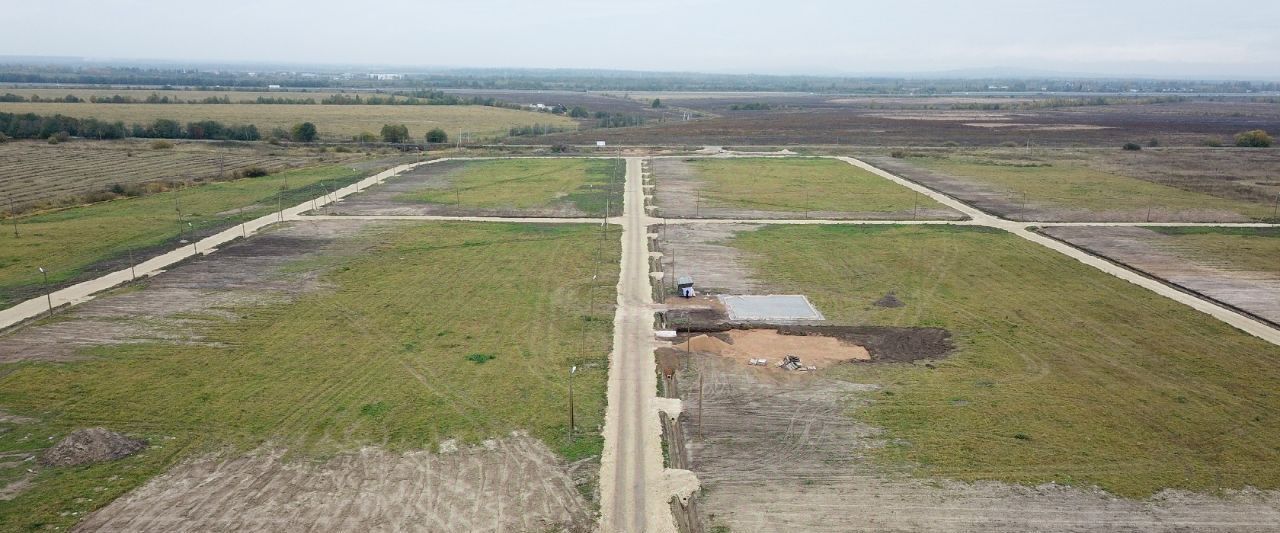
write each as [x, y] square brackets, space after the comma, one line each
[92, 445]
[886, 343]
[697, 319]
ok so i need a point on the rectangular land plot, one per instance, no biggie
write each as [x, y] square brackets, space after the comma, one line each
[1060, 374]
[772, 308]
[775, 188]
[1236, 266]
[83, 242]
[36, 174]
[525, 187]
[328, 349]
[1092, 185]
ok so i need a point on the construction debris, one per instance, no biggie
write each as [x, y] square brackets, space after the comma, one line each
[758, 362]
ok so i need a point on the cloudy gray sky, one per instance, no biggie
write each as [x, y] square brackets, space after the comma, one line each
[1125, 37]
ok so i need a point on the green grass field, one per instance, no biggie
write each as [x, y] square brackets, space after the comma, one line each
[1073, 185]
[1062, 373]
[448, 330]
[1241, 248]
[796, 185]
[532, 184]
[334, 122]
[68, 241]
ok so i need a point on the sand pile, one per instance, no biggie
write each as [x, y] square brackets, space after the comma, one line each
[747, 344]
[92, 445]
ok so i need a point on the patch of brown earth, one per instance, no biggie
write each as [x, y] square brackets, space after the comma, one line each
[512, 484]
[886, 343]
[883, 343]
[91, 446]
[700, 251]
[743, 345]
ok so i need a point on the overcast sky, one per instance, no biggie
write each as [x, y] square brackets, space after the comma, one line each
[1124, 37]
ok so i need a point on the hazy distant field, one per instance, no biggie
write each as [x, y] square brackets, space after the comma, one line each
[335, 122]
[35, 173]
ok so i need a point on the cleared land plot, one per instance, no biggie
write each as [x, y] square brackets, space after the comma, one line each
[35, 173]
[1237, 266]
[78, 243]
[1092, 186]
[334, 337]
[823, 120]
[1061, 374]
[783, 188]
[334, 122]
[497, 187]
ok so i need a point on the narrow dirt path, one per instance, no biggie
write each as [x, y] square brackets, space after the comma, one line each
[631, 471]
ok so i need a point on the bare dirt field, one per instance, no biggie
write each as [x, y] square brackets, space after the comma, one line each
[1256, 292]
[819, 121]
[778, 452]
[512, 484]
[172, 307]
[701, 251]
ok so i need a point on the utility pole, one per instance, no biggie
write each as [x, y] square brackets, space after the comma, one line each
[915, 207]
[1275, 213]
[177, 206]
[13, 213]
[133, 271]
[573, 425]
[699, 403]
[47, 295]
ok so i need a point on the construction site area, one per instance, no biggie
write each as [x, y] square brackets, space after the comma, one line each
[687, 358]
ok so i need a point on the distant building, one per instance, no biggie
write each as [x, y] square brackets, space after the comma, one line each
[386, 77]
[685, 284]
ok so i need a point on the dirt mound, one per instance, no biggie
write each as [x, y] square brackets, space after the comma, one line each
[889, 300]
[885, 343]
[92, 445]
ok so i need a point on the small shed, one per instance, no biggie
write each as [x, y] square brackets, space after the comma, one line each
[685, 285]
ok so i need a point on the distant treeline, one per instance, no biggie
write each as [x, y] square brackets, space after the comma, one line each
[424, 97]
[596, 80]
[33, 126]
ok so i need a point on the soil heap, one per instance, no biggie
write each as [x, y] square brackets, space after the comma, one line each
[92, 445]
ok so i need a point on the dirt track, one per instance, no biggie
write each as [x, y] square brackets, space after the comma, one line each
[633, 489]
[513, 484]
